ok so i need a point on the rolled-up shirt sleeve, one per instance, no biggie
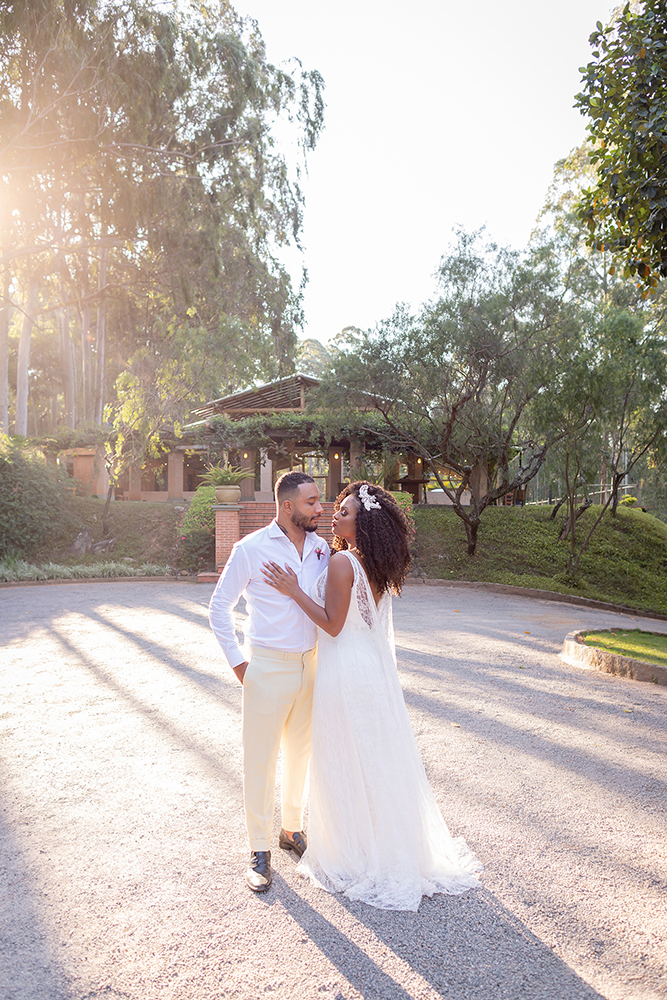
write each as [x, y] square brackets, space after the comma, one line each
[231, 585]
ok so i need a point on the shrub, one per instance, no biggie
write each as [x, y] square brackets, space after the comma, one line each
[197, 551]
[35, 507]
[197, 548]
[404, 501]
[199, 514]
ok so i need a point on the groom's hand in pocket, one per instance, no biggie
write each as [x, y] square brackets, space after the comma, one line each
[240, 670]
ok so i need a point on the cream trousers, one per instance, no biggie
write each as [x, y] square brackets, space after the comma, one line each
[277, 707]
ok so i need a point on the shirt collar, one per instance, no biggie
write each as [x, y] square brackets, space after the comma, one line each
[311, 541]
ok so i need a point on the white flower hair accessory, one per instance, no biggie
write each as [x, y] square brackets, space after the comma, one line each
[367, 500]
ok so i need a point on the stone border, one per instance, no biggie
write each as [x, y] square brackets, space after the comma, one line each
[544, 595]
[578, 654]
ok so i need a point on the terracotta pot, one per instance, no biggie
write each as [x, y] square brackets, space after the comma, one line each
[228, 494]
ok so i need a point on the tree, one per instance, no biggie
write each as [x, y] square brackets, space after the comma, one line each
[609, 399]
[138, 157]
[625, 97]
[454, 384]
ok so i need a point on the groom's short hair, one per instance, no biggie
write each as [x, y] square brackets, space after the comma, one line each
[289, 483]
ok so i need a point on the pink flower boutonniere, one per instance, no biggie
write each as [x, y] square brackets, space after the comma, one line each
[319, 553]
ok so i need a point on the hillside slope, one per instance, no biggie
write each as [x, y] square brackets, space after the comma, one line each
[626, 562]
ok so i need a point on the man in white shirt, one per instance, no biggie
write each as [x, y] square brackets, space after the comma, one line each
[276, 666]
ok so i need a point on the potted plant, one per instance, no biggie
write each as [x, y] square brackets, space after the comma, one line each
[226, 479]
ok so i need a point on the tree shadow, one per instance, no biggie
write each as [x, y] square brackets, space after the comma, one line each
[28, 966]
[210, 762]
[465, 948]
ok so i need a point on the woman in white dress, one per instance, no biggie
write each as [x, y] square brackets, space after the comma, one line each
[375, 832]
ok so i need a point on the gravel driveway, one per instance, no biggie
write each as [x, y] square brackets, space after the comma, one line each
[122, 840]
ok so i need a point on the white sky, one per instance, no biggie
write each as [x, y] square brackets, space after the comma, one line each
[438, 113]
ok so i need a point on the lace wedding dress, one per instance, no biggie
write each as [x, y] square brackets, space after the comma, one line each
[375, 830]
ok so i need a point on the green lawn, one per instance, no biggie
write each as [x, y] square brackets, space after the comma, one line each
[647, 646]
[626, 562]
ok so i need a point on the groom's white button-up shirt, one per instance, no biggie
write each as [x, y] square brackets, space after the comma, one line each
[274, 620]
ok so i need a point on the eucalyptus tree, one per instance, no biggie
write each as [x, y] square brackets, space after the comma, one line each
[136, 150]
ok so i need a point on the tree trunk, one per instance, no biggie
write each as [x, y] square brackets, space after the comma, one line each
[577, 514]
[21, 424]
[471, 534]
[100, 343]
[557, 507]
[85, 365]
[5, 316]
[5, 311]
[67, 362]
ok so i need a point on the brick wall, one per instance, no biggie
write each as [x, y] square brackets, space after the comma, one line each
[256, 515]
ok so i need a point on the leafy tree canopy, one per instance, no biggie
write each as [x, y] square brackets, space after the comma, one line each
[625, 98]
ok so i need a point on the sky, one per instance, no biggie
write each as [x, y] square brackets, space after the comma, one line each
[439, 114]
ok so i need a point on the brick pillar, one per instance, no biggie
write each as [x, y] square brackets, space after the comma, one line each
[134, 492]
[175, 475]
[227, 531]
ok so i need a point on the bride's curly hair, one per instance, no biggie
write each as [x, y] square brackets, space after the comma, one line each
[383, 537]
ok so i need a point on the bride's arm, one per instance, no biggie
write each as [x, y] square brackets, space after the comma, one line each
[340, 578]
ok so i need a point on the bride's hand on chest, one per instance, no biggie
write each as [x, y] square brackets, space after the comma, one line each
[285, 580]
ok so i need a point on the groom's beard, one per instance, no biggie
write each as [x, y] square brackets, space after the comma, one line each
[305, 523]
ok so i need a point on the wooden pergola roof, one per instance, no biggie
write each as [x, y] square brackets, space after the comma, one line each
[287, 393]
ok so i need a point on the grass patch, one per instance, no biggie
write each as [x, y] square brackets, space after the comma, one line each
[20, 571]
[647, 646]
[626, 562]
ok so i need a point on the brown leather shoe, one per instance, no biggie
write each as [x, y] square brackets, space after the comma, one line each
[259, 874]
[296, 843]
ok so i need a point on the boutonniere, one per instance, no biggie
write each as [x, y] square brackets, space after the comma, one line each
[319, 553]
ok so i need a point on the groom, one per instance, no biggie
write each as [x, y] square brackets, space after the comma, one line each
[276, 666]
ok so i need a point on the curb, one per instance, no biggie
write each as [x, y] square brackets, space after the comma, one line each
[578, 654]
[543, 595]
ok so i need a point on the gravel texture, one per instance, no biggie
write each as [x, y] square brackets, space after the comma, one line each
[122, 841]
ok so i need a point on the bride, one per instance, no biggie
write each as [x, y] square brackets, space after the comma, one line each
[375, 832]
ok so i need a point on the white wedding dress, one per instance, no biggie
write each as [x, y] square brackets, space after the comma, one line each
[375, 832]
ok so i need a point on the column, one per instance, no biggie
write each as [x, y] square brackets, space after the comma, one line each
[101, 483]
[247, 461]
[357, 453]
[175, 475]
[227, 532]
[265, 491]
[134, 492]
[335, 472]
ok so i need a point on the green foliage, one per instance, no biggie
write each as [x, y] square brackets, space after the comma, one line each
[14, 570]
[197, 546]
[625, 563]
[197, 551]
[625, 97]
[161, 213]
[452, 384]
[315, 427]
[200, 514]
[35, 507]
[404, 501]
[225, 475]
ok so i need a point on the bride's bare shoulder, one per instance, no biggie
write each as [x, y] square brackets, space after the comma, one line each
[340, 567]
